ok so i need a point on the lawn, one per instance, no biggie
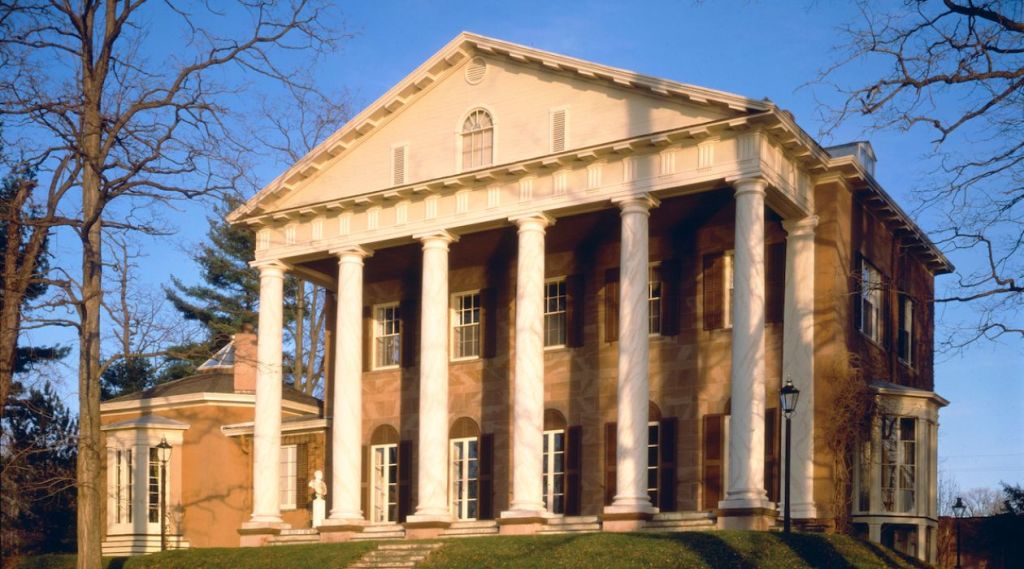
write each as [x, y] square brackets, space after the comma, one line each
[724, 549]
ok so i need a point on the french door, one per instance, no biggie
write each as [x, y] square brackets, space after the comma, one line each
[464, 478]
[384, 480]
[554, 471]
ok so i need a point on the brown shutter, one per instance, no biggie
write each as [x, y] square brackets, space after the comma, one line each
[771, 453]
[404, 480]
[886, 320]
[667, 435]
[485, 489]
[671, 284]
[410, 315]
[489, 322]
[903, 341]
[573, 470]
[301, 476]
[364, 469]
[611, 305]
[775, 281]
[610, 459]
[574, 293]
[714, 315]
[367, 338]
[712, 477]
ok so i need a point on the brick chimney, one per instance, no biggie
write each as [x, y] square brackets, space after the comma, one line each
[245, 361]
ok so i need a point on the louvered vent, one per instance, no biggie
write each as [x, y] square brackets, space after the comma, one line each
[558, 131]
[475, 70]
[398, 166]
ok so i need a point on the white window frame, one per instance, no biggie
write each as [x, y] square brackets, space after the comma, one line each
[551, 472]
[905, 448]
[870, 302]
[907, 306]
[462, 134]
[459, 470]
[655, 299]
[564, 312]
[122, 486]
[378, 335]
[457, 324]
[652, 466]
[380, 475]
[153, 468]
[728, 286]
[288, 474]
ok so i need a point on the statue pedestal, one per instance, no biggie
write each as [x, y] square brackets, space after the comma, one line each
[319, 511]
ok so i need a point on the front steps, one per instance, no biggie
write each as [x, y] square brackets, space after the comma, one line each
[681, 521]
[571, 524]
[295, 537]
[395, 556]
[380, 532]
[471, 529]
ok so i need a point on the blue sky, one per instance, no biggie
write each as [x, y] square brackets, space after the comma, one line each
[758, 49]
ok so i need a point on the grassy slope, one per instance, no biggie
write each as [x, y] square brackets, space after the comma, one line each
[587, 551]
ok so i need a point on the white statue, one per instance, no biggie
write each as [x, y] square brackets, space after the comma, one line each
[319, 504]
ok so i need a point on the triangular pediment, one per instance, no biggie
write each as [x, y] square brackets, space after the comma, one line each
[520, 87]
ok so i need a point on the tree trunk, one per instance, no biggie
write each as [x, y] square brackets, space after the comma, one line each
[19, 266]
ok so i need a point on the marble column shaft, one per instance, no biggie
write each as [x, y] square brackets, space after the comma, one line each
[633, 387]
[266, 503]
[746, 429]
[528, 399]
[798, 359]
[347, 421]
[432, 482]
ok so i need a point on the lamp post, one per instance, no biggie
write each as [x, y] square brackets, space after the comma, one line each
[958, 510]
[163, 452]
[788, 397]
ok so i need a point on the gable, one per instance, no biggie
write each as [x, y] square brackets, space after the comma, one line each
[520, 89]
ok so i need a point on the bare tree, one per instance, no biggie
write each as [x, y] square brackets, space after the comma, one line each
[123, 124]
[955, 67]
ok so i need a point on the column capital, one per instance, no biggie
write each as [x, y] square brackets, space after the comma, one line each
[749, 186]
[269, 268]
[533, 221]
[799, 227]
[437, 238]
[640, 203]
[351, 253]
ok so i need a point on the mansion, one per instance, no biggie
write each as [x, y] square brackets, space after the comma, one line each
[562, 297]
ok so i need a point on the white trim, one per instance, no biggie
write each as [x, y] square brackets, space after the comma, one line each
[375, 333]
[227, 399]
[562, 279]
[453, 323]
[387, 482]
[287, 427]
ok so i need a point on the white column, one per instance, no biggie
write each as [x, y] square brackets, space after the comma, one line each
[798, 359]
[746, 432]
[266, 444]
[347, 391]
[528, 399]
[633, 391]
[432, 483]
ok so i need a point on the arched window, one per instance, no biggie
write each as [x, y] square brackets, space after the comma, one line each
[554, 461]
[384, 475]
[477, 140]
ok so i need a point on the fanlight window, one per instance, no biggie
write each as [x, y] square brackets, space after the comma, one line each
[477, 140]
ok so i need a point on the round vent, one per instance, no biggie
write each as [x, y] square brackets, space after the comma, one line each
[475, 70]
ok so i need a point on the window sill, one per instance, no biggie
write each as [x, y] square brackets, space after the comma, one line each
[870, 340]
[554, 349]
[906, 364]
[465, 360]
[385, 368]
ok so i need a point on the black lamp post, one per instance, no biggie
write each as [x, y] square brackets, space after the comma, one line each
[163, 452]
[788, 397]
[958, 510]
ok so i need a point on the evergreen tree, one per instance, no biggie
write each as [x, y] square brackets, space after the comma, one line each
[127, 375]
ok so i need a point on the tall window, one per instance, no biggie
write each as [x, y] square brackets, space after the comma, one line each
[870, 302]
[654, 299]
[864, 476]
[288, 474]
[155, 492]
[387, 339]
[466, 326]
[464, 477]
[899, 464]
[554, 313]
[477, 140]
[728, 287]
[906, 338]
[554, 471]
[653, 440]
[123, 472]
[385, 484]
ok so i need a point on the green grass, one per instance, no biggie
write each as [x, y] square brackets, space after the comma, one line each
[725, 549]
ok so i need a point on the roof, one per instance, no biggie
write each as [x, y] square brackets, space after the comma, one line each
[217, 381]
[888, 388]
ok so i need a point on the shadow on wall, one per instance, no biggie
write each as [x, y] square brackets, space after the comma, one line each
[985, 543]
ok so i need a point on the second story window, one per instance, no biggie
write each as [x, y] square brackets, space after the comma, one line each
[554, 313]
[387, 340]
[466, 326]
[728, 286]
[477, 140]
[870, 302]
[654, 299]
[906, 331]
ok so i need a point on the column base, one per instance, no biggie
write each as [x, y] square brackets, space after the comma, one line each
[627, 517]
[426, 526]
[804, 511]
[523, 522]
[756, 519]
[257, 534]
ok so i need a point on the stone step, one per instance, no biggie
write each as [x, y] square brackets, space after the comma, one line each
[571, 528]
[395, 556]
[471, 528]
[380, 532]
[299, 531]
[574, 520]
[683, 516]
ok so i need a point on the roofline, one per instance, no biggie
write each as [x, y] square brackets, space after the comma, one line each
[231, 399]
[887, 388]
[246, 428]
[450, 55]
